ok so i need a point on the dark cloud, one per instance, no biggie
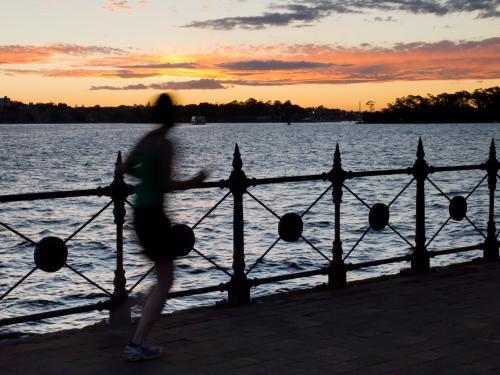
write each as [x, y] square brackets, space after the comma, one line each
[133, 74]
[139, 86]
[272, 65]
[201, 84]
[291, 82]
[447, 45]
[256, 22]
[309, 11]
[386, 19]
[161, 66]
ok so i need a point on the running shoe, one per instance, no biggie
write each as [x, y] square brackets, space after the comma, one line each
[133, 352]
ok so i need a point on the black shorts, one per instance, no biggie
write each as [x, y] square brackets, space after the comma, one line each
[153, 230]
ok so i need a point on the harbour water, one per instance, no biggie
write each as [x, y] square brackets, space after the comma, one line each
[77, 156]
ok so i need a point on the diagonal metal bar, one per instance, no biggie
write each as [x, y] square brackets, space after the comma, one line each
[401, 192]
[211, 210]
[263, 204]
[16, 232]
[262, 256]
[316, 201]
[356, 196]
[315, 248]
[18, 283]
[86, 278]
[88, 222]
[129, 203]
[141, 279]
[438, 189]
[475, 227]
[401, 236]
[197, 252]
[475, 188]
[212, 262]
[439, 230]
[357, 242]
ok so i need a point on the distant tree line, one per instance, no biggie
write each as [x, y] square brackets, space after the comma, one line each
[257, 111]
[252, 110]
[482, 105]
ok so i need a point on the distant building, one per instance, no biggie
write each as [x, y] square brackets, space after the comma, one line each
[5, 102]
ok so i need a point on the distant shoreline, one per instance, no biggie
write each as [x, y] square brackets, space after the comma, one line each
[354, 123]
[333, 123]
[480, 106]
[233, 112]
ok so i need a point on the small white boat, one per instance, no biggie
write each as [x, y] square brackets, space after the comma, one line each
[198, 120]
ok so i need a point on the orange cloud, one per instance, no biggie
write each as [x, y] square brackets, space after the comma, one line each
[76, 73]
[273, 65]
[15, 54]
[412, 61]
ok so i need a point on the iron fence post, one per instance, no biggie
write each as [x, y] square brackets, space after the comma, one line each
[337, 274]
[239, 288]
[490, 251]
[120, 309]
[420, 261]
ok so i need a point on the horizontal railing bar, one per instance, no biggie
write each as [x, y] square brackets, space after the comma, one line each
[456, 250]
[382, 172]
[373, 263]
[289, 276]
[102, 305]
[100, 191]
[54, 194]
[202, 185]
[55, 313]
[278, 180]
[457, 168]
[191, 292]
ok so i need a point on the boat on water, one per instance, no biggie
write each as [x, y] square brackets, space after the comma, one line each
[198, 120]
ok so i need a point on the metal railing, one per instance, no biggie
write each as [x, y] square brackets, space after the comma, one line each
[51, 253]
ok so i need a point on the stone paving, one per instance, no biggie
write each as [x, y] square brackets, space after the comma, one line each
[444, 322]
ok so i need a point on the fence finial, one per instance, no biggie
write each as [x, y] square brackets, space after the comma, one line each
[337, 161]
[118, 164]
[237, 163]
[420, 149]
[493, 151]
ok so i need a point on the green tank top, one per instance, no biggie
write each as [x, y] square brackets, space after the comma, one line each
[150, 189]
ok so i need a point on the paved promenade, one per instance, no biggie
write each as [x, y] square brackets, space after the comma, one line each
[445, 322]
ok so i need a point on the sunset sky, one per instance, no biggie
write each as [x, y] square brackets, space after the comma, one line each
[313, 52]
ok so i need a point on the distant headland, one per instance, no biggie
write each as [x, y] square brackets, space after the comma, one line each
[481, 105]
